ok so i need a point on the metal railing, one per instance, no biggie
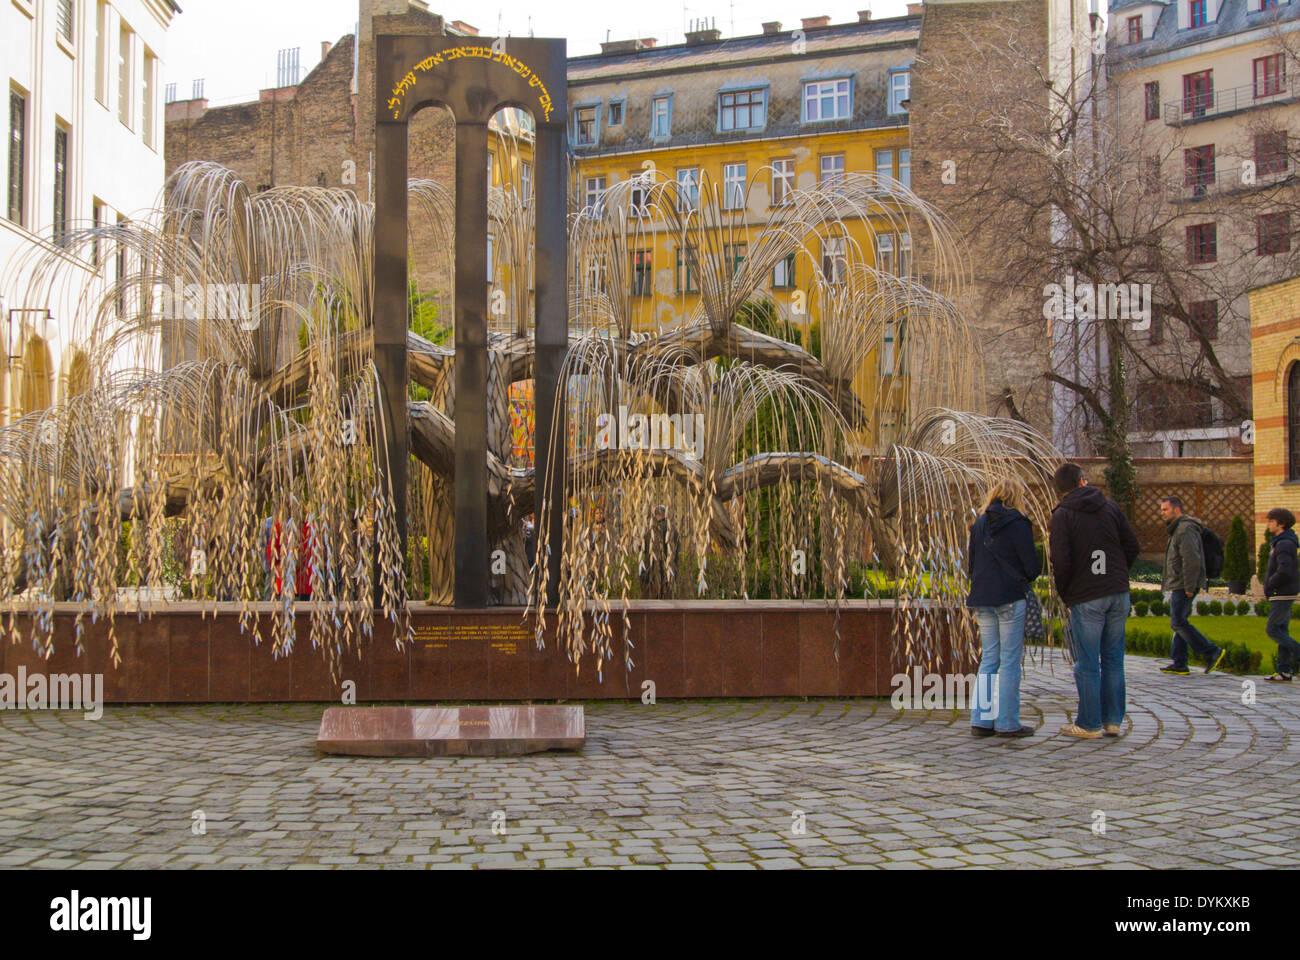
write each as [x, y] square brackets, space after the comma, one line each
[1217, 103]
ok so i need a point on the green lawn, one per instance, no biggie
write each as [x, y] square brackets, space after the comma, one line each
[1248, 630]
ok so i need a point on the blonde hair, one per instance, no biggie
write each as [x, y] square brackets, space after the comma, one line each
[1012, 493]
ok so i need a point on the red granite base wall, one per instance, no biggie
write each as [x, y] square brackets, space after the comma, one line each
[720, 649]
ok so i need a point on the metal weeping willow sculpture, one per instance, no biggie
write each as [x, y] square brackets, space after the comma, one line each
[223, 436]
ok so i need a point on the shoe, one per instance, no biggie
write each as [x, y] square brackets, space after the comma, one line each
[1022, 732]
[1110, 729]
[1210, 667]
[1279, 678]
[981, 731]
[1074, 730]
[1176, 670]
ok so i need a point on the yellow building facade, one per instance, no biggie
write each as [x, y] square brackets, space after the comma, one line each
[1275, 382]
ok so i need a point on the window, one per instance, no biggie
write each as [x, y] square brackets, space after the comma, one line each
[638, 196]
[782, 181]
[120, 269]
[616, 113]
[885, 252]
[885, 168]
[1270, 152]
[147, 86]
[735, 254]
[101, 221]
[834, 263]
[1199, 12]
[491, 257]
[491, 168]
[688, 189]
[595, 197]
[1205, 319]
[1198, 169]
[891, 352]
[1202, 243]
[686, 267]
[17, 155]
[584, 126]
[1198, 92]
[904, 254]
[101, 53]
[1270, 75]
[63, 19]
[900, 91]
[525, 182]
[905, 168]
[742, 110]
[595, 276]
[1273, 233]
[1157, 332]
[124, 76]
[661, 116]
[783, 273]
[733, 186]
[1293, 422]
[832, 171]
[1152, 92]
[1134, 29]
[60, 230]
[826, 100]
[642, 273]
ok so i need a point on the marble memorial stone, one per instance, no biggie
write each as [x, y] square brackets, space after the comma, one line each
[450, 731]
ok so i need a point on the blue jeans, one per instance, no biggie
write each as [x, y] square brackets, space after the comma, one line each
[1097, 641]
[1180, 608]
[1002, 639]
[1279, 619]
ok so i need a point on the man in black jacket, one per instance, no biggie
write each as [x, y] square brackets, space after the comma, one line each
[1092, 546]
[1281, 584]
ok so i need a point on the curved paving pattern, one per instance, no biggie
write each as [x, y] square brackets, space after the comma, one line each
[1197, 779]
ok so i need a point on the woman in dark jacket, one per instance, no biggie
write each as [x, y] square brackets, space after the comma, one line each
[1002, 565]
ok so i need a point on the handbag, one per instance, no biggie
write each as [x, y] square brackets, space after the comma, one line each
[1034, 628]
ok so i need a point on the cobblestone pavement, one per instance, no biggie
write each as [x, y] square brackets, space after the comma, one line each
[1197, 779]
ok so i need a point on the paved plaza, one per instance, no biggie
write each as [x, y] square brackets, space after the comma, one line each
[1198, 778]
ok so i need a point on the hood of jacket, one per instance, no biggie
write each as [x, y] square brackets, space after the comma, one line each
[998, 517]
[1084, 500]
[1287, 535]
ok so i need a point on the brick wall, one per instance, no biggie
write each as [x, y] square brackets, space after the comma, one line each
[1275, 346]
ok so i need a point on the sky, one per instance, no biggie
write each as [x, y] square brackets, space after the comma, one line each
[232, 44]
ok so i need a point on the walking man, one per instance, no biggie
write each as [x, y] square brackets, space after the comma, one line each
[1184, 578]
[1281, 584]
[1092, 546]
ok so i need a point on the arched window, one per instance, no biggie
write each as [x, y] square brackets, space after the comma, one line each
[37, 379]
[1293, 422]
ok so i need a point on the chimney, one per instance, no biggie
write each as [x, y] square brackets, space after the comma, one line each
[613, 47]
[464, 28]
[702, 31]
[648, 43]
[864, 16]
[325, 49]
[771, 28]
[814, 23]
[914, 9]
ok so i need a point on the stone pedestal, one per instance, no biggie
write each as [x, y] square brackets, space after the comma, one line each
[450, 731]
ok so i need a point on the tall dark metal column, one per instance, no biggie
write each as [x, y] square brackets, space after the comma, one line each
[552, 340]
[471, 365]
[390, 310]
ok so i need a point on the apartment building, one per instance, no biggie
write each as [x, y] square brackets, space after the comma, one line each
[1209, 89]
[84, 146]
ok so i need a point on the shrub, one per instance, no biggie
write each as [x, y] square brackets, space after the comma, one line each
[1261, 608]
[1144, 571]
[1243, 608]
[1229, 609]
[1203, 608]
[1159, 608]
[1236, 552]
[1140, 608]
[1216, 608]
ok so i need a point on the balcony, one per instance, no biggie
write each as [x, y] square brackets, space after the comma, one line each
[1229, 101]
[1217, 183]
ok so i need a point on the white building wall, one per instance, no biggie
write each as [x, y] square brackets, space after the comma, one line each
[108, 161]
